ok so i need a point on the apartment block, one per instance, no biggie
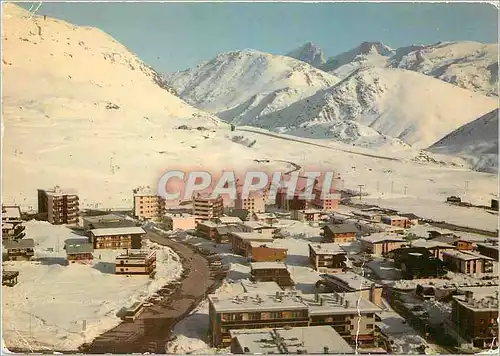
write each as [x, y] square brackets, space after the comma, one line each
[58, 206]
[117, 238]
[328, 258]
[475, 316]
[342, 312]
[205, 208]
[136, 262]
[179, 221]
[254, 203]
[149, 206]
[327, 203]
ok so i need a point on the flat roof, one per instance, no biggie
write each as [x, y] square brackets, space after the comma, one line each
[366, 213]
[136, 254]
[483, 299]
[327, 249]
[308, 340]
[56, 191]
[466, 255]
[102, 218]
[23, 243]
[430, 244]
[261, 287]
[257, 225]
[73, 249]
[229, 219]
[267, 265]
[208, 223]
[252, 236]
[118, 231]
[11, 212]
[376, 238]
[249, 302]
[341, 228]
[349, 280]
[339, 303]
[311, 211]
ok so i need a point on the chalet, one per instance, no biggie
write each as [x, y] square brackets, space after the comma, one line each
[320, 339]
[381, 244]
[475, 316]
[117, 238]
[347, 282]
[417, 262]
[240, 241]
[79, 252]
[468, 262]
[19, 250]
[328, 257]
[339, 233]
[271, 272]
[136, 262]
[435, 248]
[396, 220]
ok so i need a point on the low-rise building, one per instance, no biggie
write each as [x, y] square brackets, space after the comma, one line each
[20, 250]
[396, 220]
[266, 252]
[435, 248]
[475, 316]
[268, 288]
[206, 208]
[347, 282]
[105, 221]
[58, 206]
[353, 318]
[240, 241]
[79, 252]
[222, 232]
[307, 215]
[148, 206]
[179, 221]
[207, 229]
[468, 262]
[258, 227]
[136, 262]
[271, 272]
[489, 250]
[339, 233]
[414, 219]
[373, 216]
[312, 340]
[381, 244]
[327, 257]
[434, 234]
[417, 262]
[117, 238]
[494, 204]
[266, 218]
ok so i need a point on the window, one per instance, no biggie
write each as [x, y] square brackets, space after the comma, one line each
[121, 269]
[253, 316]
[369, 326]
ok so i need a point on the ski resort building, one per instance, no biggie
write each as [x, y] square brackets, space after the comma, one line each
[254, 203]
[339, 233]
[58, 206]
[117, 238]
[149, 206]
[327, 258]
[79, 252]
[136, 262]
[205, 208]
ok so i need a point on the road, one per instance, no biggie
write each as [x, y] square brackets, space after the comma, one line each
[152, 329]
[317, 144]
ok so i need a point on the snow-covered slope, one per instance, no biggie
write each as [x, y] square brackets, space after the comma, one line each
[476, 141]
[405, 105]
[309, 53]
[467, 64]
[243, 79]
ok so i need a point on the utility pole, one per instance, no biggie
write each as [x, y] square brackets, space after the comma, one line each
[360, 190]
[406, 187]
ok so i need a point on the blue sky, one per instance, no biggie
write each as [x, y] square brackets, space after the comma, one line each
[176, 36]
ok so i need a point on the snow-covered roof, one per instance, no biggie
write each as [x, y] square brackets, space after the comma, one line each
[341, 228]
[266, 244]
[466, 255]
[430, 244]
[250, 302]
[11, 212]
[484, 299]
[229, 220]
[267, 265]
[74, 249]
[261, 287]
[252, 236]
[58, 191]
[378, 238]
[349, 280]
[338, 303]
[256, 225]
[23, 243]
[102, 218]
[118, 231]
[313, 340]
[327, 249]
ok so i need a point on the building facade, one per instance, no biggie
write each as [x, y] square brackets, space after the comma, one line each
[149, 206]
[328, 258]
[381, 244]
[271, 272]
[22, 250]
[58, 206]
[467, 262]
[117, 238]
[179, 221]
[264, 252]
[240, 241]
[205, 208]
[339, 233]
[136, 262]
[396, 220]
[329, 203]
[254, 203]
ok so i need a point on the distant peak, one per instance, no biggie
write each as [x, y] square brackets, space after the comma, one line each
[375, 47]
[309, 53]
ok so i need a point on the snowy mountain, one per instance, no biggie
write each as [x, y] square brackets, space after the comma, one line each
[393, 102]
[309, 53]
[476, 141]
[467, 64]
[236, 82]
